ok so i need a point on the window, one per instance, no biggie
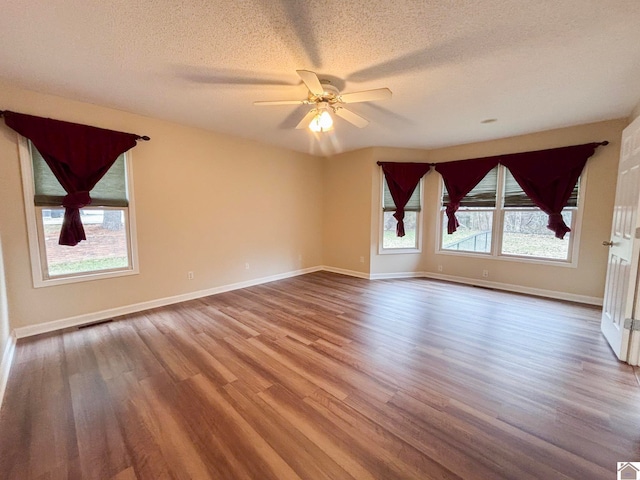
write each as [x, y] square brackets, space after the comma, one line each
[109, 249]
[475, 217]
[498, 219]
[524, 226]
[390, 242]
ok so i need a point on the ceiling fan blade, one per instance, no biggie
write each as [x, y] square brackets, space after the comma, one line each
[304, 123]
[351, 117]
[366, 95]
[312, 82]
[281, 102]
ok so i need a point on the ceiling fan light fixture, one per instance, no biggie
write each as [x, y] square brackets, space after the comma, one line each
[321, 122]
[327, 100]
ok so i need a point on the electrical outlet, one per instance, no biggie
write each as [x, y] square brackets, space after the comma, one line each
[485, 273]
[361, 259]
[246, 266]
[439, 268]
[190, 275]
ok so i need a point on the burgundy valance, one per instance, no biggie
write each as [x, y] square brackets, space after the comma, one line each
[460, 177]
[78, 155]
[547, 177]
[402, 179]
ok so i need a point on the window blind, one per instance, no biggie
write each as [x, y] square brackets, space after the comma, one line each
[110, 191]
[515, 197]
[388, 205]
[482, 195]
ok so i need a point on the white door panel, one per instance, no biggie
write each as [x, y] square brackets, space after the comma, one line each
[620, 299]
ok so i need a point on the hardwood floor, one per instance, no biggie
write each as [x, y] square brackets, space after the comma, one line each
[326, 377]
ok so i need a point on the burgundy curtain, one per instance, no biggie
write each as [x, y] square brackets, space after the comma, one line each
[402, 179]
[460, 177]
[78, 155]
[548, 177]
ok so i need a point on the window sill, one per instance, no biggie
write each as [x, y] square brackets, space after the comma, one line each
[539, 261]
[398, 251]
[84, 277]
[513, 258]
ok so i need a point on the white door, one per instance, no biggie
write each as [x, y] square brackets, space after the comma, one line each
[620, 296]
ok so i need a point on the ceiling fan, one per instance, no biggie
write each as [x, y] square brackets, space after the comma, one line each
[325, 99]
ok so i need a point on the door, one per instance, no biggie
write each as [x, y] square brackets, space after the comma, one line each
[620, 297]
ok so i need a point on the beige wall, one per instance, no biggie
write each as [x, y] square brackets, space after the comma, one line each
[395, 263]
[585, 280]
[204, 202]
[210, 203]
[598, 196]
[635, 113]
[347, 211]
[5, 328]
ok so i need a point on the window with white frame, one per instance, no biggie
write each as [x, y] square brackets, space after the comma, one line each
[475, 216]
[109, 249]
[498, 219]
[390, 242]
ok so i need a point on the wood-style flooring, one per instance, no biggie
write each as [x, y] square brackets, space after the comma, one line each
[326, 377]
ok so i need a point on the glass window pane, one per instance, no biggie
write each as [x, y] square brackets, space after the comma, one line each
[390, 240]
[473, 234]
[106, 246]
[526, 234]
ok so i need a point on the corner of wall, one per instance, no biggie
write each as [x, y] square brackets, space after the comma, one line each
[635, 113]
[7, 339]
[5, 364]
[347, 211]
[584, 283]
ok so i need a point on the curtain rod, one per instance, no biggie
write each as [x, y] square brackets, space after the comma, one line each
[603, 143]
[139, 137]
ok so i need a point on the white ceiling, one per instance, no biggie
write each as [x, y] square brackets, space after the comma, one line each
[534, 65]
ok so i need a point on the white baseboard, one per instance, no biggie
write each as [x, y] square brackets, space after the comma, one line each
[84, 319]
[538, 292]
[5, 364]
[342, 271]
[75, 321]
[507, 287]
[385, 276]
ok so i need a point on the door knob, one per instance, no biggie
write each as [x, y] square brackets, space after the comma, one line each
[607, 244]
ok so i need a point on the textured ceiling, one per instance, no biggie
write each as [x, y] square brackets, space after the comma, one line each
[533, 65]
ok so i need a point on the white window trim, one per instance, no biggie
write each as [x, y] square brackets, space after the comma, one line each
[419, 220]
[35, 247]
[498, 223]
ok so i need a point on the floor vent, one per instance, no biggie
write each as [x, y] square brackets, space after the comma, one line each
[89, 325]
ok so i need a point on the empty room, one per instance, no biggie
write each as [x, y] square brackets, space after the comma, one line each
[319, 240]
